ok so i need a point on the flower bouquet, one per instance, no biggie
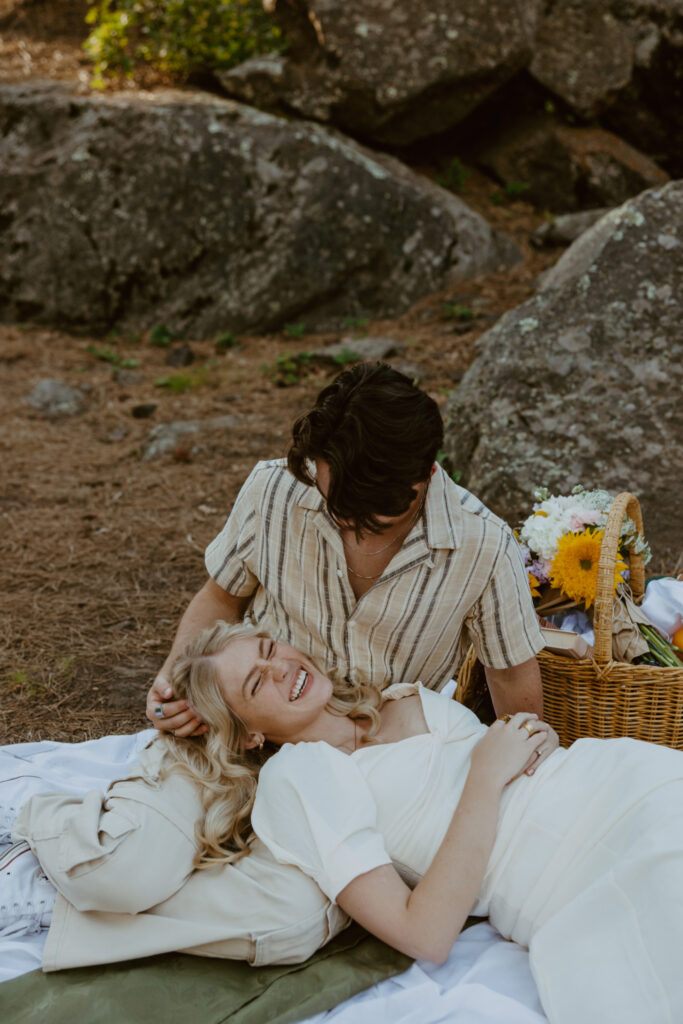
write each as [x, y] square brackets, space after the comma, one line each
[561, 543]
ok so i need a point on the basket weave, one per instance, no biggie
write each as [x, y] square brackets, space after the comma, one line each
[598, 696]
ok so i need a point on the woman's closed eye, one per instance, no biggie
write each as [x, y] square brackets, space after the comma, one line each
[267, 656]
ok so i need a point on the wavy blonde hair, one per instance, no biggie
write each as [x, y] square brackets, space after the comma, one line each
[219, 761]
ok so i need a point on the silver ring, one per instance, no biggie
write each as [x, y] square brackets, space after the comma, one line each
[159, 711]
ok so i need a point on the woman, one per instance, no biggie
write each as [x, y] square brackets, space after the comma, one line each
[582, 861]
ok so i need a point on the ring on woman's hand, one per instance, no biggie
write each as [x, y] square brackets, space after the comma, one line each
[159, 711]
[505, 718]
[173, 732]
[529, 728]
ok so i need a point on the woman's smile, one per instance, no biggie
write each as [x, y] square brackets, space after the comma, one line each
[275, 690]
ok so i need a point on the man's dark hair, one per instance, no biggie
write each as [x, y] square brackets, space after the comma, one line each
[379, 435]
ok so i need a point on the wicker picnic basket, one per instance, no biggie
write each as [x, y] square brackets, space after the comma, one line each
[598, 696]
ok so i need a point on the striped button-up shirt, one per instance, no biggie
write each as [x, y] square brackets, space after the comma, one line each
[458, 576]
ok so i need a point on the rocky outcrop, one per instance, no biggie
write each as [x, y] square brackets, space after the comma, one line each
[621, 60]
[197, 213]
[389, 72]
[583, 383]
[395, 72]
[566, 168]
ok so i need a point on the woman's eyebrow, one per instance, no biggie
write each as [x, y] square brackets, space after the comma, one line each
[250, 675]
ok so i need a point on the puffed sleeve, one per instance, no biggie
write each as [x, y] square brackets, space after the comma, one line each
[230, 557]
[314, 809]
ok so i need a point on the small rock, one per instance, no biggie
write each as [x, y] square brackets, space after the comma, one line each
[55, 398]
[143, 411]
[362, 348]
[411, 370]
[180, 355]
[117, 434]
[566, 229]
[127, 378]
[167, 438]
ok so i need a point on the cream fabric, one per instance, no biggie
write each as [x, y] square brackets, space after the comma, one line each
[458, 575]
[123, 866]
[586, 869]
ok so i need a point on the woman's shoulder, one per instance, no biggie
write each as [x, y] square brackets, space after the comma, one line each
[301, 759]
[447, 716]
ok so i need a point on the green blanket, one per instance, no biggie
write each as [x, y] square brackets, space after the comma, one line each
[181, 989]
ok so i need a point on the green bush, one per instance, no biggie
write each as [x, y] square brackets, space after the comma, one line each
[176, 36]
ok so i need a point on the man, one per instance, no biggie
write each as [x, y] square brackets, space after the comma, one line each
[363, 553]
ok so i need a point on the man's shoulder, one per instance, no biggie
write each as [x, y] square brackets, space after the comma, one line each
[476, 512]
[270, 481]
[470, 516]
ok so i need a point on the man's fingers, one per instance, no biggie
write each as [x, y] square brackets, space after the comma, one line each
[160, 689]
[170, 722]
[192, 728]
[169, 708]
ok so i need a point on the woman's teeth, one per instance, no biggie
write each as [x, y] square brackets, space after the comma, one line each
[300, 682]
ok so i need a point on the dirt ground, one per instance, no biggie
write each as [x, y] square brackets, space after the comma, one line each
[101, 551]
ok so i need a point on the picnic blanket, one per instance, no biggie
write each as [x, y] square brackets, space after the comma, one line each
[354, 980]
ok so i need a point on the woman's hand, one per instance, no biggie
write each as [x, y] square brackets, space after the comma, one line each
[550, 743]
[508, 748]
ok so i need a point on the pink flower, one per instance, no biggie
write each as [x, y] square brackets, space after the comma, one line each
[579, 520]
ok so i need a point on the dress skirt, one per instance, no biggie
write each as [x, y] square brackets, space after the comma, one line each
[587, 871]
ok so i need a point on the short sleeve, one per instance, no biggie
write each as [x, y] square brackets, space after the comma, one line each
[314, 809]
[230, 557]
[503, 624]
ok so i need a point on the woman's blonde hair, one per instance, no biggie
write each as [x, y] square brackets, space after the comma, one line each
[219, 761]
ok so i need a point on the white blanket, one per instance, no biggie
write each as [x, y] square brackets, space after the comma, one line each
[486, 980]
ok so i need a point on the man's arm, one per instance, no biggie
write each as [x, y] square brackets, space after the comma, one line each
[517, 688]
[208, 605]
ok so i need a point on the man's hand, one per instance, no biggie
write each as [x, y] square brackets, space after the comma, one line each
[209, 605]
[171, 715]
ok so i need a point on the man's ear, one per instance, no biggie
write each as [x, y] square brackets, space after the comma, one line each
[432, 470]
[255, 739]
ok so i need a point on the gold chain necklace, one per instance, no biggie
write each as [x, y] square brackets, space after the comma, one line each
[370, 554]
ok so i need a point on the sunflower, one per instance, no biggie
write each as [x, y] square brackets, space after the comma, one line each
[533, 585]
[574, 568]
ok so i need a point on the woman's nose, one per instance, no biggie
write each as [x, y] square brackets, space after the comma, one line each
[277, 670]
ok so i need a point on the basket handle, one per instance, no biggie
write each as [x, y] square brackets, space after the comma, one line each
[624, 503]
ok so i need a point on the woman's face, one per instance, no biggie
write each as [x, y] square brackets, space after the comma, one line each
[276, 691]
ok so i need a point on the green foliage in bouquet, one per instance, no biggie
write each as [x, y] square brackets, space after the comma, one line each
[176, 36]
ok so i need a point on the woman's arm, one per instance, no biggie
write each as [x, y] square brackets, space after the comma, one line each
[425, 923]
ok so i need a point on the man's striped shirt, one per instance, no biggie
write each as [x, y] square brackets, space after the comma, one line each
[458, 576]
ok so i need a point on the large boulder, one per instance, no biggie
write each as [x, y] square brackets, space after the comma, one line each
[583, 383]
[621, 60]
[390, 71]
[567, 168]
[194, 212]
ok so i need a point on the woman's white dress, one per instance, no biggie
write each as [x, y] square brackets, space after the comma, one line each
[586, 869]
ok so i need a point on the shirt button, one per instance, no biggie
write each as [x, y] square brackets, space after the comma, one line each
[339, 573]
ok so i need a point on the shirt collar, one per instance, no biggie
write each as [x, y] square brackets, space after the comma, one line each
[443, 513]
